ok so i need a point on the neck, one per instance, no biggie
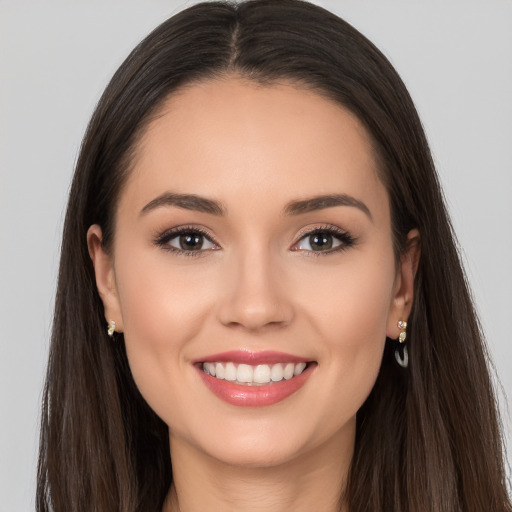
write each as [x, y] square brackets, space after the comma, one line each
[311, 481]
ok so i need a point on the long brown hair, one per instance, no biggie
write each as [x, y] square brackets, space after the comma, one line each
[428, 437]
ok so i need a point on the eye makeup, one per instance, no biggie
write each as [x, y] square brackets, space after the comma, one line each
[324, 240]
[194, 241]
[192, 236]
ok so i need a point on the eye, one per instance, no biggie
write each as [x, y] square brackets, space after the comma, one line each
[186, 241]
[324, 240]
[191, 242]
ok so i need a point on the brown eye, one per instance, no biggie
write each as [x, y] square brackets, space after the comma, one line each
[324, 241]
[321, 241]
[191, 241]
[186, 241]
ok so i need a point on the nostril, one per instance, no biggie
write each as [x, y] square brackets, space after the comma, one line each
[254, 318]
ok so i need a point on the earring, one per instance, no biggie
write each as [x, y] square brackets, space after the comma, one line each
[402, 360]
[402, 325]
[111, 329]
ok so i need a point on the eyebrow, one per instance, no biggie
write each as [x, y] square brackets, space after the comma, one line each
[187, 202]
[213, 207]
[325, 201]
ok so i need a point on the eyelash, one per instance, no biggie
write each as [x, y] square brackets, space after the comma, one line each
[164, 239]
[346, 239]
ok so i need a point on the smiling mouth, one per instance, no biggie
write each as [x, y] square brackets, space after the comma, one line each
[253, 375]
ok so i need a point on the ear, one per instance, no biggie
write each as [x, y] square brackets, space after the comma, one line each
[403, 292]
[105, 277]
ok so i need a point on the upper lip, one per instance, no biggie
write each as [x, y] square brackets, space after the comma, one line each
[252, 358]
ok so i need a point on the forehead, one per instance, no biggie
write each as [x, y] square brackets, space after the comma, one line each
[225, 138]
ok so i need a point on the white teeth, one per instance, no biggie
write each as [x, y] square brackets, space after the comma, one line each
[209, 368]
[220, 372]
[259, 374]
[288, 371]
[244, 373]
[230, 373]
[276, 374]
[299, 368]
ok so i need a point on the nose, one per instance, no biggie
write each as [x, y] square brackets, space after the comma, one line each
[255, 295]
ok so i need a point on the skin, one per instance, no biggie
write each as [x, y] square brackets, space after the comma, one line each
[259, 287]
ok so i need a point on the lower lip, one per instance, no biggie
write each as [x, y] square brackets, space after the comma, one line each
[256, 395]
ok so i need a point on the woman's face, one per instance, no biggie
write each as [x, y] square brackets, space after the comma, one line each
[253, 234]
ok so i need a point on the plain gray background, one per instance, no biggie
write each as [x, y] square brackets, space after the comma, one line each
[57, 56]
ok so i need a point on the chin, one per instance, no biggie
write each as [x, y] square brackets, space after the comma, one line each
[266, 444]
[256, 453]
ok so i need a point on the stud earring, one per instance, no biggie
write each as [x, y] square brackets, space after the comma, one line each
[111, 329]
[402, 325]
[401, 353]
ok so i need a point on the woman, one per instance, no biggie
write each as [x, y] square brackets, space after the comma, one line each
[259, 284]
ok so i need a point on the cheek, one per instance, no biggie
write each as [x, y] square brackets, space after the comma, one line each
[351, 301]
[163, 308]
[161, 299]
[350, 312]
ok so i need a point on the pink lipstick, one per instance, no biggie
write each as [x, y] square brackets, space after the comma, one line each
[254, 379]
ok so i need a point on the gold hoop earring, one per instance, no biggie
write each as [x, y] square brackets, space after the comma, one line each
[111, 329]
